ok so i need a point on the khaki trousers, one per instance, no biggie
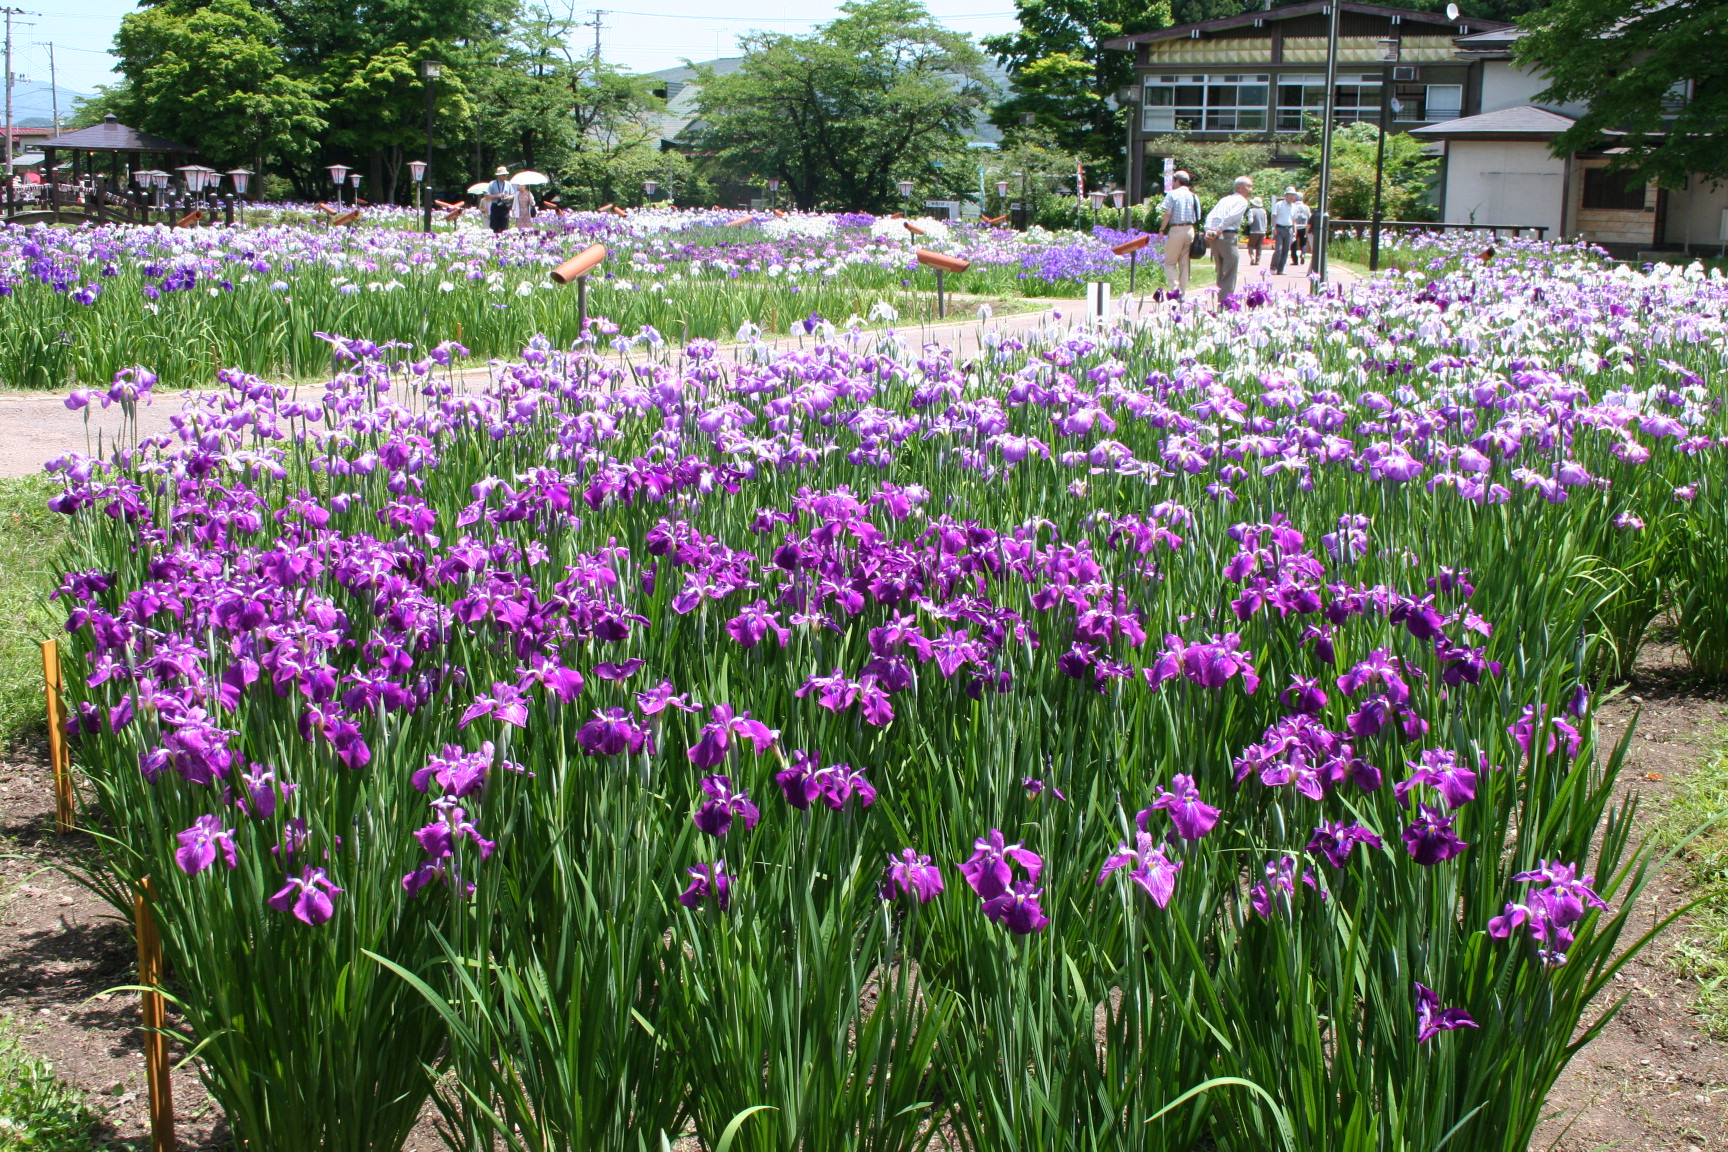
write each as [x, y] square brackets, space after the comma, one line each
[1176, 259]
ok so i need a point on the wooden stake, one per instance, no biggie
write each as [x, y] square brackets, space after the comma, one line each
[59, 756]
[155, 1018]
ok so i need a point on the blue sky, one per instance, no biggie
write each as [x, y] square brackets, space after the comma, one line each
[641, 34]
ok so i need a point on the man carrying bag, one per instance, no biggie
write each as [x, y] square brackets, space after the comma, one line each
[1181, 214]
[499, 195]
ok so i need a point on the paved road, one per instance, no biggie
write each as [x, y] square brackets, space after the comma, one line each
[36, 427]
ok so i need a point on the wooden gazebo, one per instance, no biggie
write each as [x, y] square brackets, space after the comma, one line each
[104, 155]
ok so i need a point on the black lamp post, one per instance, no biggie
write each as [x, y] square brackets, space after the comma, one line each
[430, 70]
[773, 193]
[1388, 54]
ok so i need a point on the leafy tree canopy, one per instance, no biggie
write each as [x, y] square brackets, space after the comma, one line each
[1065, 80]
[212, 76]
[844, 113]
[1654, 70]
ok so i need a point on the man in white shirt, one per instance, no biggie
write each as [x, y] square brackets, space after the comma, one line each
[1283, 228]
[1181, 215]
[1222, 225]
[1299, 216]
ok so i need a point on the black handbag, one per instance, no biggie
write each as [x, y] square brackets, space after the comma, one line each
[1197, 249]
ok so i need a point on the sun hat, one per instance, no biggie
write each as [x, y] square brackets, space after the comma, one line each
[1257, 202]
[1291, 191]
[501, 171]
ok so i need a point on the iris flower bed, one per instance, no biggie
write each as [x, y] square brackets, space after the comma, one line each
[78, 305]
[1137, 738]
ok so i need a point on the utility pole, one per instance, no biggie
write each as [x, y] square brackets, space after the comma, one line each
[53, 84]
[597, 24]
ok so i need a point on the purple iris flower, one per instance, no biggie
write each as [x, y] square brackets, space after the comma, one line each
[911, 874]
[708, 880]
[716, 739]
[440, 838]
[1304, 695]
[715, 814]
[1431, 1019]
[990, 869]
[459, 773]
[661, 697]
[200, 843]
[506, 703]
[1036, 788]
[1151, 866]
[1335, 839]
[755, 623]
[1191, 816]
[1439, 769]
[619, 671]
[1017, 909]
[613, 730]
[1430, 838]
[1551, 911]
[309, 896]
[1275, 892]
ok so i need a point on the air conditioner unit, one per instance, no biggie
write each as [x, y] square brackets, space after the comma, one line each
[1407, 72]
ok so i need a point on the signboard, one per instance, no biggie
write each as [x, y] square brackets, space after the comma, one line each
[948, 208]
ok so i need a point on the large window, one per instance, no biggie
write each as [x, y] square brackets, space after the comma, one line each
[1216, 102]
[1358, 98]
[1444, 102]
[1616, 190]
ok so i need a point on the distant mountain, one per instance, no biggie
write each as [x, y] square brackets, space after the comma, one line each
[33, 103]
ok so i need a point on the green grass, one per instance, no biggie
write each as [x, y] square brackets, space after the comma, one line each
[38, 1111]
[30, 541]
[1701, 802]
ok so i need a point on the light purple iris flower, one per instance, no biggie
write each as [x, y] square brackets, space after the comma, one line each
[1191, 816]
[1150, 866]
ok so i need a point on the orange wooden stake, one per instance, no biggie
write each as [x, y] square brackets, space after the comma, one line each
[155, 1019]
[59, 756]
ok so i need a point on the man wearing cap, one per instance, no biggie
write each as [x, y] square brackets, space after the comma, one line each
[1283, 228]
[1181, 214]
[1222, 225]
[497, 199]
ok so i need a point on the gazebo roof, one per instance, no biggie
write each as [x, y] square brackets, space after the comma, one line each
[113, 136]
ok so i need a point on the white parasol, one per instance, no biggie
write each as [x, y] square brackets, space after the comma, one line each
[529, 176]
[479, 189]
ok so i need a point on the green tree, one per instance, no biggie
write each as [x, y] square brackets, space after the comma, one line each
[549, 107]
[1406, 188]
[866, 100]
[1215, 164]
[1657, 72]
[1039, 172]
[214, 76]
[1064, 77]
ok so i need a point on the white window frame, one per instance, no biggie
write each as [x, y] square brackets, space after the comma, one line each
[1209, 115]
[1289, 117]
[1457, 109]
